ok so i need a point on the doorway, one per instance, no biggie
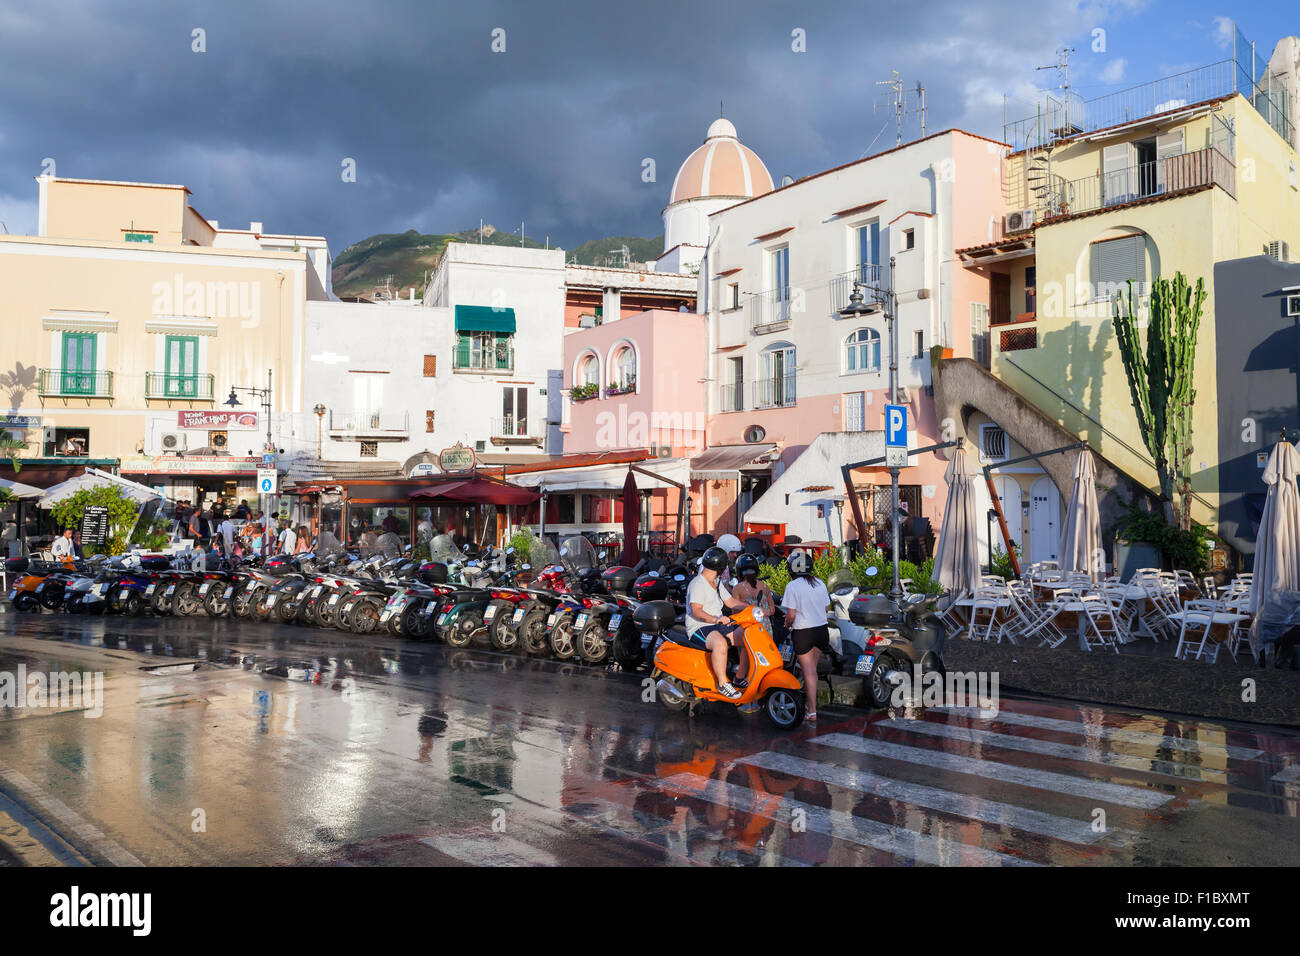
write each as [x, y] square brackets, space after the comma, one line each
[1044, 521]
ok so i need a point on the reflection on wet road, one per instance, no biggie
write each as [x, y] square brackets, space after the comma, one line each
[227, 743]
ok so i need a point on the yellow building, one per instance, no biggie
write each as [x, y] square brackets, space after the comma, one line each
[1172, 176]
[125, 323]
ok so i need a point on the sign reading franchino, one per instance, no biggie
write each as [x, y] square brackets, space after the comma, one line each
[218, 421]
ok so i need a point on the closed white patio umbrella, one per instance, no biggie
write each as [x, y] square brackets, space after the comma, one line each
[956, 553]
[1277, 550]
[1081, 534]
[20, 490]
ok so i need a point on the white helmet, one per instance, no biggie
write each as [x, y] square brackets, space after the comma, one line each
[729, 543]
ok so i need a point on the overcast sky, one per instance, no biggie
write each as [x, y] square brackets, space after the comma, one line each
[552, 131]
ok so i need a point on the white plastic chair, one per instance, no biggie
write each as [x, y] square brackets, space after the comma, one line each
[1102, 629]
[1198, 628]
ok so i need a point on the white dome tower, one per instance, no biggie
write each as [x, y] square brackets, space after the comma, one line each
[720, 173]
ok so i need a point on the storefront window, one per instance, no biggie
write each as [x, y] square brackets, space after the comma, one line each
[378, 519]
[602, 509]
[561, 509]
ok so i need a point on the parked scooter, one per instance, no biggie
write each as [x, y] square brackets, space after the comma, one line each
[905, 639]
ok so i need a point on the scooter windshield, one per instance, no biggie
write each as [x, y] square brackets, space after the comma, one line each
[577, 554]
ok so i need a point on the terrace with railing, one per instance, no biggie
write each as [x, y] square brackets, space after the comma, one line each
[1061, 117]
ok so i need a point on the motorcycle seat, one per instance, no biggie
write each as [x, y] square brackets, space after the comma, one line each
[679, 636]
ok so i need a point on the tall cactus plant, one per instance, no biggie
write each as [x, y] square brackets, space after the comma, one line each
[1160, 379]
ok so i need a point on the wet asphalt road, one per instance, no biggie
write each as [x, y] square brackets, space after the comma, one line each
[234, 743]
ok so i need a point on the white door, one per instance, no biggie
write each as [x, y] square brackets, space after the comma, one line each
[1009, 499]
[1044, 521]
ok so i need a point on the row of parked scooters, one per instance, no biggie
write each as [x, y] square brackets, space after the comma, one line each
[569, 608]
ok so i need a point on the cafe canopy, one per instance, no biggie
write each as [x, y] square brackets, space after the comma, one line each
[476, 491]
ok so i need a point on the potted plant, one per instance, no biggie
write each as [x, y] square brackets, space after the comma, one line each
[580, 393]
[623, 388]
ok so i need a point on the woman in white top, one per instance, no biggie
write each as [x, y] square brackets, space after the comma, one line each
[805, 601]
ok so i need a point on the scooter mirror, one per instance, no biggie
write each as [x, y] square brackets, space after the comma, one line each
[872, 571]
[527, 567]
[654, 574]
[680, 577]
[510, 550]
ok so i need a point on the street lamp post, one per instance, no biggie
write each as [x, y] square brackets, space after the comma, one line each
[320, 418]
[858, 308]
[264, 394]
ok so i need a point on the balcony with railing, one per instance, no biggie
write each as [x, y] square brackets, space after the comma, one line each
[769, 311]
[1169, 176]
[732, 398]
[172, 386]
[518, 430]
[368, 424]
[776, 392]
[868, 275]
[74, 383]
[498, 358]
[1244, 72]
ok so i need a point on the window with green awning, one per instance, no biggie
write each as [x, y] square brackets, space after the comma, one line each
[482, 318]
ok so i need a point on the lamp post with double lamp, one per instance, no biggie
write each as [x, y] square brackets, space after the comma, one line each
[857, 309]
[265, 395]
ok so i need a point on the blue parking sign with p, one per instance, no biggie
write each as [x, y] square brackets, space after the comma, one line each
[896, 426]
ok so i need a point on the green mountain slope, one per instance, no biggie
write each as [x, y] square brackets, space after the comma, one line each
[365, 266]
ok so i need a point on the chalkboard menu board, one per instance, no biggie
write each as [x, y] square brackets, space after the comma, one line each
[94, 527]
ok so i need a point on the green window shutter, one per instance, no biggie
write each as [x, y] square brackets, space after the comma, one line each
[78, 363]
[180, 379]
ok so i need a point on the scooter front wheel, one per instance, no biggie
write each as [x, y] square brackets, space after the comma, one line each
[461, 632]
[562, 643]
[593, 643]
[878, 689]
[502, 632]
[532, 631]
[784, 708]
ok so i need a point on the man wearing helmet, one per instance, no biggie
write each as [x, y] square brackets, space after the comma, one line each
[705, 620]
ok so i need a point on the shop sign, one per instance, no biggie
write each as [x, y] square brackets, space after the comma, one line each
[94, 526]
[191, 465]
[217, 420]
[20, 421]
[456, 458]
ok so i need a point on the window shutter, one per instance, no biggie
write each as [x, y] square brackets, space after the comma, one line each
[430, 366]
[855, 416]
[1115, 261]
[1170, 173]
[1116, 172]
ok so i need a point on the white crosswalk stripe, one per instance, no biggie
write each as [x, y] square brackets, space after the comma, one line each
[1050, 748]
[1050, 781]
[1125, 734]
[1070, 830]
[899, 841]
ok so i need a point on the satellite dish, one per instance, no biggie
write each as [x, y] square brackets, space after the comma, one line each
[787, 180]
[755, 434]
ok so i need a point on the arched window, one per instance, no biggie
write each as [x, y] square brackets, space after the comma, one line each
[622, 369]
[862, 351]
[589, 370]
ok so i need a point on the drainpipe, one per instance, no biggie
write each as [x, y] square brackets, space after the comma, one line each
[936, 307]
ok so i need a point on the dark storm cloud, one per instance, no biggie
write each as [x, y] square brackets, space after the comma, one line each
[443, 131]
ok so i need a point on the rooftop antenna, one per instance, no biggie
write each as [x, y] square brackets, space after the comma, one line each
[899, 96]
[1062, 68]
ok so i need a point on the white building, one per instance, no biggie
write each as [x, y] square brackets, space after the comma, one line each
[399, 384]
[316, 247]
[780, 267]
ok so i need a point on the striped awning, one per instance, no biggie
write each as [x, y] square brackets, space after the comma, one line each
[71, 321]
[180, 325]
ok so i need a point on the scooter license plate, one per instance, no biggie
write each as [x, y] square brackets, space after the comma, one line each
[787, 652]
[148, 592]
[386, 616]
[12, 595]
[614, 622]
[225, 595]
[207, 586]
[315, 592]
[580, 622]
[40, 587]
[490, 612]
[122, 593]
[171, 589]
[518, 616]
[334, 598]
[428, 610]
[442, 618]
[550, 620]
[271, 599]
[863, 666]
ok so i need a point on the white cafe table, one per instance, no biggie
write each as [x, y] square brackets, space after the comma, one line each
[1218, 617]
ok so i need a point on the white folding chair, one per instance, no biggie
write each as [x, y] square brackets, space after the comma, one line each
[1198, 628]
[1048, 629]
[985, 614]
[1102, 629]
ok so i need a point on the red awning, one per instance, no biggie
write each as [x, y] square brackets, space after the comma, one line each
[478, 491]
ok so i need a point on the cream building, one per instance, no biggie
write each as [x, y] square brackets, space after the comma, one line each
[125, 324]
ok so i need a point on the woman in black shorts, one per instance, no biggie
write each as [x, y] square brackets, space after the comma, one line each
[805, 602]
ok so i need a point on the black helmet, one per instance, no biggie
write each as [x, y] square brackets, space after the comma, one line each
[746, 564]
[715, 559]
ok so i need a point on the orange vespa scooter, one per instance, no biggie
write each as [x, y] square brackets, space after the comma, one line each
[684, 678]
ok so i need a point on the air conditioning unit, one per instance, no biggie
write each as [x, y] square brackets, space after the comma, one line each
[664, 451]
[1021, 220]
[1279, 250]
[175, 441]
[1293, 305]
[218, 440]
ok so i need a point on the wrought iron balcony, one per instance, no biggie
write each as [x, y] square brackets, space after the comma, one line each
[733, 397]
[518, 430]
[368, 424]
[769, 311]
[778, 392]
[74, 383]
[868, 275]
[1168, 176]
[498, 359]
[170, 385]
